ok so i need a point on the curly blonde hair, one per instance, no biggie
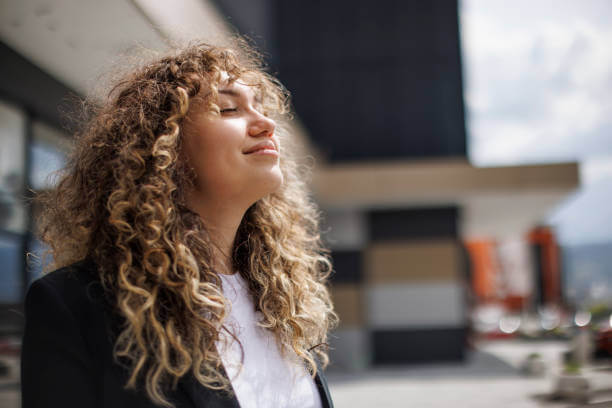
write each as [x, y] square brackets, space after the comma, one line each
[121, 202]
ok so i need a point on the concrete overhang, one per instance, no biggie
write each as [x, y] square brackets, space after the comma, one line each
[494, 201]
[87, 44]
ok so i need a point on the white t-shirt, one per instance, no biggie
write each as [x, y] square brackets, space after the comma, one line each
[264, 379]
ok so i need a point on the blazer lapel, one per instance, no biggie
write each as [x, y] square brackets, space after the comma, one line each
[105, 326]
[205, 397]
[321, 383]
[201, 396]
[104, 330]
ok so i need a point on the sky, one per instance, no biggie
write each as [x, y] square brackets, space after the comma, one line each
[538, 89]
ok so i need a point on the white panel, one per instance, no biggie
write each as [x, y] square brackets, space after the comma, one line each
[349, 349]
[517, 266]
[76, 41]
[416, 305]
[187, 20]
[345, 229]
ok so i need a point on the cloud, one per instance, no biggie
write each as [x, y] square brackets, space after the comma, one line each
[576, 220]
[596, 170]
[538, 83]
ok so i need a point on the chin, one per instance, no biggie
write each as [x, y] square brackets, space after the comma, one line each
[272, 182]
[276, 180]
[263, 182]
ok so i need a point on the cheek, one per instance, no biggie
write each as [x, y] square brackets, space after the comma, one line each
[221, 136]
[206, 143]
[215, 154]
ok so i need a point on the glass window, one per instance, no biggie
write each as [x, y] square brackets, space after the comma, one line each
[10, 259]
[12, 140]
[48, 152]
[36, 259]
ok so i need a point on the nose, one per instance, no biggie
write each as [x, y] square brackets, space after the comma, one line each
[261, 125]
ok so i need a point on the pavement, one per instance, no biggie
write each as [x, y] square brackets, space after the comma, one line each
[490, 377]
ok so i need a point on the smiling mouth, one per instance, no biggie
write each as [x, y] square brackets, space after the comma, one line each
[263, 148]
[264, 152]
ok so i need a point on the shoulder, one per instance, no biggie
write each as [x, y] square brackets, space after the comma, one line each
[79, 273]
[62, 339]
[75, 287]
[72, 281]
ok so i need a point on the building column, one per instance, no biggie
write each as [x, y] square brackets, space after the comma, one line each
[415, 299]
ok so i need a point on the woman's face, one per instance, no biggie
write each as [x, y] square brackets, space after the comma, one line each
[236, 154]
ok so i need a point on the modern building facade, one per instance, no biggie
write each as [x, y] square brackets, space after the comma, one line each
[377, 90]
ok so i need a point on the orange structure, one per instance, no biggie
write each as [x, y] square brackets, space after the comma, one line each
[485, 269]
[488, 277]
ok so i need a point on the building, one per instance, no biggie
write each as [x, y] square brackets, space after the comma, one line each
[378, 94]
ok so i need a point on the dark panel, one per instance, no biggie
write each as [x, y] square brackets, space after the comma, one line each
[538, 293]
[252, 18]
[375, 80]
[25, 84]
[418, 346]
[391, 225]
[348, 267]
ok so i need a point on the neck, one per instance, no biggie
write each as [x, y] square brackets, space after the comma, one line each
[222, 221]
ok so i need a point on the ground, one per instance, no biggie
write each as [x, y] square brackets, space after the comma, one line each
[491, 377]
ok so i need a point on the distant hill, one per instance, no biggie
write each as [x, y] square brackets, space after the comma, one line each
[585, 216]
[587, 272]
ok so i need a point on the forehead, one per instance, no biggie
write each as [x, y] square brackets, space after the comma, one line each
[239, 89]
[248, 84]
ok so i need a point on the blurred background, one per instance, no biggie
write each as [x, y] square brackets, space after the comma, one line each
[462, 157]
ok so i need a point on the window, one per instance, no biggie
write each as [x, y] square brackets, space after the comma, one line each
[12, 142]
[10, 272]
[48, 152]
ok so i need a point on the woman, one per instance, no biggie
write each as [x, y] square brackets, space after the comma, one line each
[190, 267]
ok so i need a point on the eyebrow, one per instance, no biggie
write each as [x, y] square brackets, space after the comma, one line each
[230, 92]
[236, 94]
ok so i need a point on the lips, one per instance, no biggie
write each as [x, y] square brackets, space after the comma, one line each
[267, 145]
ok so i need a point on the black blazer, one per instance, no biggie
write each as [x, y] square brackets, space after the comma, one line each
[67, 360]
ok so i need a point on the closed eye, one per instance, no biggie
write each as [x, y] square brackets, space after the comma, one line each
[228, 110]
